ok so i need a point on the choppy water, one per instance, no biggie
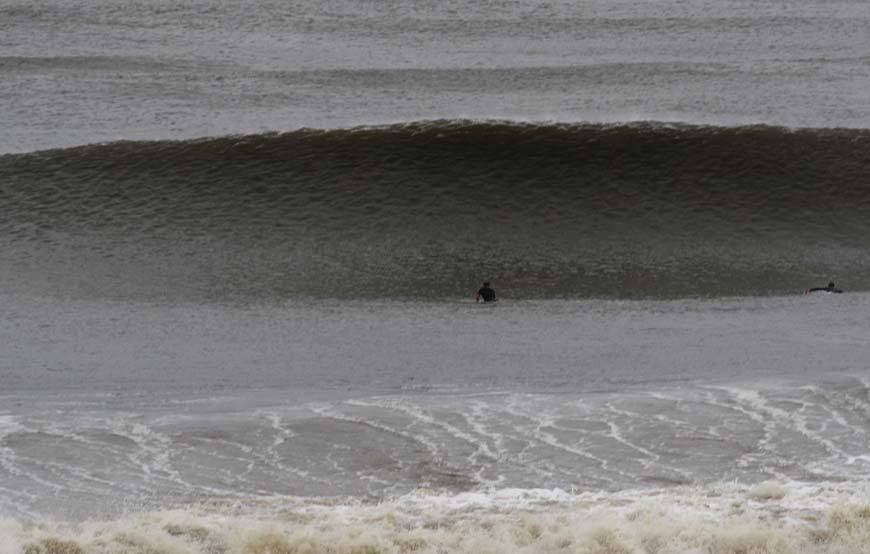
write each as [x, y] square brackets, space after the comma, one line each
[239, 244]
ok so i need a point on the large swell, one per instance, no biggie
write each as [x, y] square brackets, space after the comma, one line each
[429, 209]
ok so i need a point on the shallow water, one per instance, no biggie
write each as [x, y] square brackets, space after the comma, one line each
[149, 404]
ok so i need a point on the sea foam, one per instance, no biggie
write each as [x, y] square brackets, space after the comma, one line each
[723, 518]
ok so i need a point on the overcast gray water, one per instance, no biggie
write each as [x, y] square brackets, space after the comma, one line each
[239, 246]
[76, 72]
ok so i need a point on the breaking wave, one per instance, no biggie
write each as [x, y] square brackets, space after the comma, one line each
[723, 519]
[429, 209]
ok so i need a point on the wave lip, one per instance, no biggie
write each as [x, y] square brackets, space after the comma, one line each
[646, 209]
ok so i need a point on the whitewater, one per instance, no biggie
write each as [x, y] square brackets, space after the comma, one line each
[239, 247]
[544, 426]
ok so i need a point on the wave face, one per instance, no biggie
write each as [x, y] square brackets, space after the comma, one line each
[430, 209]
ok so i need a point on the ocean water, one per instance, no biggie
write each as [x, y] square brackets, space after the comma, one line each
[239, 245]
[77, 72]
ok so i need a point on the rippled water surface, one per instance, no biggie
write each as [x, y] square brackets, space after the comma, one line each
[239, 245]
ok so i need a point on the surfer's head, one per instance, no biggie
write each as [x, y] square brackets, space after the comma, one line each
[486, 283]
[831, 285]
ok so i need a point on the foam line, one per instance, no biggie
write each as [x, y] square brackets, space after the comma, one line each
[822, 519]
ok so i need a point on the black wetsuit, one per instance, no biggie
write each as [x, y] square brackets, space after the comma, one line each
[487, 294]
[825, 289]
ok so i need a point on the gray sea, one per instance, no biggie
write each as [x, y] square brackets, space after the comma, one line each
[240, 242]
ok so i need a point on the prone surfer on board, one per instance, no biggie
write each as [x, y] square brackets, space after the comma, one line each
[830, 288]
[486, 292]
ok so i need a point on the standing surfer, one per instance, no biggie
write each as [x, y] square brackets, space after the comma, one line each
[486, 292]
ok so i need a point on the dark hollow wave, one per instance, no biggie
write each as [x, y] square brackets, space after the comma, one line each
[430, 209]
